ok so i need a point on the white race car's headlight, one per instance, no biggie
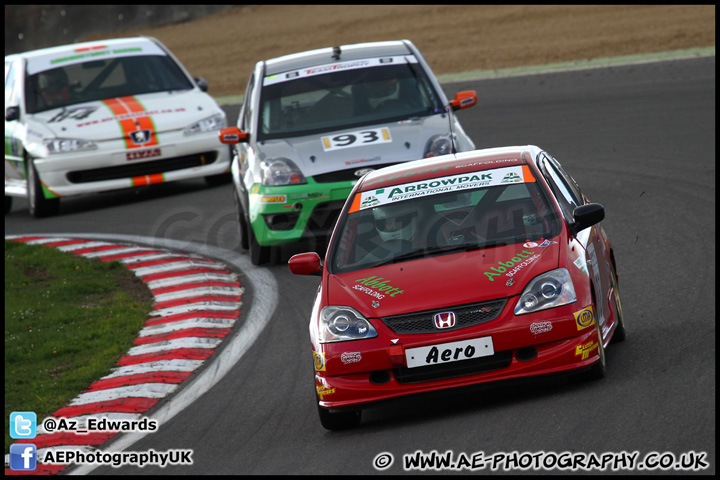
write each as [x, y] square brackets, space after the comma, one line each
[551, 289]
[67, 145]
[215, 122]
[338, 324]
[438, 145]
[280, 171]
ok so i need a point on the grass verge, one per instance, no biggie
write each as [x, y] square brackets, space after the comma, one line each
[68, 319]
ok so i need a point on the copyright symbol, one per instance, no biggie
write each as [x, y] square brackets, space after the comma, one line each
[49, 424]
[383, 461]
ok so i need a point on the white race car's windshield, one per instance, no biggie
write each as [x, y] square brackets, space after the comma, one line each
[315, 103]
[444, 223]
[100, 79]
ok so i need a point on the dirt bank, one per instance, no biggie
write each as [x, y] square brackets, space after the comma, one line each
[224, 47]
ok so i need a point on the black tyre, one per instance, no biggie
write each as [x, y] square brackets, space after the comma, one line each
[599, 368]
[259, 255]
[341, 420]
[242, 222]
[220, 179]
[38, 205]
[620, 332]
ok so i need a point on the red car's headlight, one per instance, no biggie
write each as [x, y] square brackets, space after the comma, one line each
[338, 324]
[551, 289]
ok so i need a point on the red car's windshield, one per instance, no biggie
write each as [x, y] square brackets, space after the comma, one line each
[443, 223]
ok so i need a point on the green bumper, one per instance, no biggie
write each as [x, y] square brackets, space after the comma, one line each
[287, 214]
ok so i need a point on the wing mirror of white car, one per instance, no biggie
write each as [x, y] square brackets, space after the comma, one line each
[232, 135]
[201, 83]
[464, 99]
[586, 216]
[12, 113]
[305, 264]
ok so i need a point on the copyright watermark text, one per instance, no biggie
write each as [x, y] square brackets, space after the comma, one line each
[565, 461]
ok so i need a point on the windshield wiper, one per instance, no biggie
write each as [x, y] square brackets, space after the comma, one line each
[430, 251]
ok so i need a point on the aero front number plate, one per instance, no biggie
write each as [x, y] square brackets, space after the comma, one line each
[449, 352]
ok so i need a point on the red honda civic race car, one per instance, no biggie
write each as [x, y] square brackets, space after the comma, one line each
[458, 270]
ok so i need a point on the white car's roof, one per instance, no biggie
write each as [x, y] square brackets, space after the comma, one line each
[78, 46]
[324, 56]
[45, 58]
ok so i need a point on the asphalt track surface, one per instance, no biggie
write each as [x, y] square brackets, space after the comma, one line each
[639, 139]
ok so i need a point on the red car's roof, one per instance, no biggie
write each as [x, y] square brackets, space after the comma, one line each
[447, 164]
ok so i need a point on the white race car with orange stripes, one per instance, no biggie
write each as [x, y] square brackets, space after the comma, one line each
[105, 115]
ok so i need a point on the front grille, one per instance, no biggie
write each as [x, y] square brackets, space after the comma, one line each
[454, 369]
[323, 218]
[143, 168]
[345, 175]
[465, 315]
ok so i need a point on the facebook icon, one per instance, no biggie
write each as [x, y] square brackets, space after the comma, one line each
[23, 456]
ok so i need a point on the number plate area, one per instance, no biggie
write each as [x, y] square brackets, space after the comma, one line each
[449, 352]
[357, 139]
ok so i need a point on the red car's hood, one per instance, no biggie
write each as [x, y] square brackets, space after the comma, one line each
[443, 281]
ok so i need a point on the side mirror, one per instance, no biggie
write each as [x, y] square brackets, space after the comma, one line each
[232, 135]
[465, 99]
[12, 113]
[305, 264]
[586, 216]
[201, 83]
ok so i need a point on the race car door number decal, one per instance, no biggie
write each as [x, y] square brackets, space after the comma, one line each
[356, 139]
[449, 352]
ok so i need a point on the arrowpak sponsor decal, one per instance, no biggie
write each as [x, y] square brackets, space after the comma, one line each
[197, 303]
[435, 186]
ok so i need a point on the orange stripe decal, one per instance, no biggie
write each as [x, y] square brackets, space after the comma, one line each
[132, 104]
[156, 178]
[527, 174]
[355, 204]
[147, 179]
[124, 107]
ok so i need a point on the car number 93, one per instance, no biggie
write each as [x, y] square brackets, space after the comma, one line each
[356, 139]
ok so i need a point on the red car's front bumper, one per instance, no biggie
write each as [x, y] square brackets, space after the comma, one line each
[357, 389]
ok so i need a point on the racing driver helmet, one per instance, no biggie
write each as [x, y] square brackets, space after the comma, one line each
[54, 86]
[382, 89]
[396, 221]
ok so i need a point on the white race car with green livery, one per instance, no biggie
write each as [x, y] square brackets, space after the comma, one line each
[311, 124]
